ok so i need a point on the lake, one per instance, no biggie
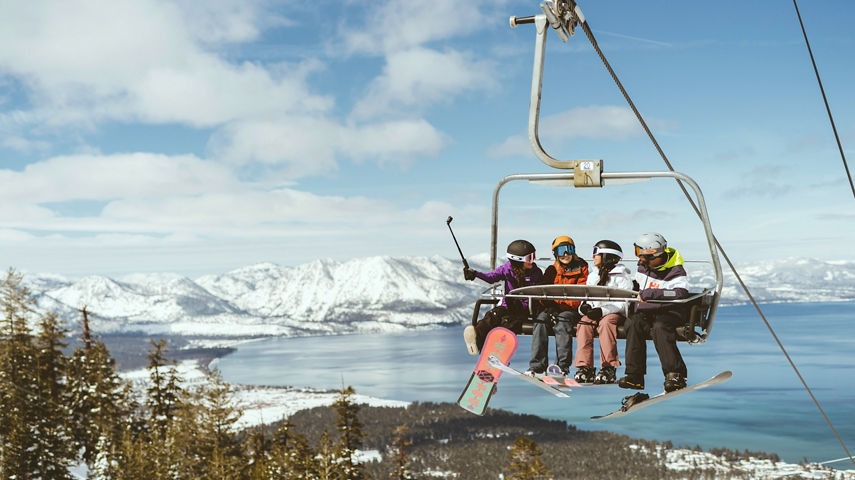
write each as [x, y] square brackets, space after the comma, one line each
[764, 407]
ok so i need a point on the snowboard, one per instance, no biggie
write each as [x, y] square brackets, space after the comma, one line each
[500, 345]
[625, 410]
[538, 381]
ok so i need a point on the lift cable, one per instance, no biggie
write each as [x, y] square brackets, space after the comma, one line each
[825, 99]
[593, 41]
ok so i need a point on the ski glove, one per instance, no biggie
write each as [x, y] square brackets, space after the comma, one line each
[595, 313]
[468, 273]
[584, 308]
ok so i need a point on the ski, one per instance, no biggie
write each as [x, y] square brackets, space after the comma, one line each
[641, 400]
[533, 380]
[500, 345]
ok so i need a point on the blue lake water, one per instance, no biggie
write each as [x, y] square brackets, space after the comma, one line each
[763, 407]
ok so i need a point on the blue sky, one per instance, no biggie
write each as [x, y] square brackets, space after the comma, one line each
[197, 137]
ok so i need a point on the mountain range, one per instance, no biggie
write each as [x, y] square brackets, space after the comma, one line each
[361, 295]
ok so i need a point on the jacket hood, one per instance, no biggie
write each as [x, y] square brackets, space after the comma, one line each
[620, 268]
[674, 259]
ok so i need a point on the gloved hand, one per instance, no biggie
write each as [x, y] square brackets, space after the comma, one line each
[468, 273]
[553, 309]
[595, 313]
[584, 308]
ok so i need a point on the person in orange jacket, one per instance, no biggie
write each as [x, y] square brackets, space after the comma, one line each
[568, 268]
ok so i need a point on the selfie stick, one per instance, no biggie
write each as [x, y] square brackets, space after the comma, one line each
[448, 222]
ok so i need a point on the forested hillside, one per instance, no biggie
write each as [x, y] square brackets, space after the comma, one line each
[447, 439]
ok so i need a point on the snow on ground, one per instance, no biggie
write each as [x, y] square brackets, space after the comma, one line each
[261, 405]
[271, 404]
[678, 460]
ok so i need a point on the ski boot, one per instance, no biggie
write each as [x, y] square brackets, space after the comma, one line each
[674, 381]
[635, 382]
[584, 374]
[605, 375]
[556, 371]
[469, 337]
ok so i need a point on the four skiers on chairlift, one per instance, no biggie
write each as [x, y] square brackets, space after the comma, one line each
[660, 276]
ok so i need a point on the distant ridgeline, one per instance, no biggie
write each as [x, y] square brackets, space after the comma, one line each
[361, 295]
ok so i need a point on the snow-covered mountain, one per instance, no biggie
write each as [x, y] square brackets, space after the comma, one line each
[366, 294]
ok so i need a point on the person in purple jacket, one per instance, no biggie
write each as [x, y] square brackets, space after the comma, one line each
[518, 271]
[660, 276]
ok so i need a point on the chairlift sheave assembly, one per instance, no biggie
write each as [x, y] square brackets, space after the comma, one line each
[563, 16]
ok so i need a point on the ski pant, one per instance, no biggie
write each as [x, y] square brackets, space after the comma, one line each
[607, 332]
[498, 317]
[562, 326]
[662, 326]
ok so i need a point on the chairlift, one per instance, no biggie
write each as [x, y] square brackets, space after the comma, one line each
[563, 16]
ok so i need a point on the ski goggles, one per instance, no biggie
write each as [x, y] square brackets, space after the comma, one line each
[647, 252]
[600, 251]
[527, 259]
[566, 249]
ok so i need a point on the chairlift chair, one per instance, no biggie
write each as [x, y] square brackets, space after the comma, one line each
[563, 16]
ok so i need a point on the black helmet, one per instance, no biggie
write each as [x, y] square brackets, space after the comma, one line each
[519, 250]
[610, 251]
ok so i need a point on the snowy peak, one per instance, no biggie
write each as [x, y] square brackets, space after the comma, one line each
[365, 294]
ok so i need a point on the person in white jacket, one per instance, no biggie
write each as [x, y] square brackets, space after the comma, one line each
[609, 272]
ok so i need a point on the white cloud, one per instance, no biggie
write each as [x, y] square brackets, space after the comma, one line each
[421, 76]
[394, 141]
[22, 144]
[401, 24]
[304, 146]
[248, 213]
[227, 21]
[603, 122]
[95, 177]
[142, 60]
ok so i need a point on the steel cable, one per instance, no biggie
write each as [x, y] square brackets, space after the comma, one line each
[825, 99]
[586, 28]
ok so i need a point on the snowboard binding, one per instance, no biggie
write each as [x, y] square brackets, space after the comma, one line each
[634, 399]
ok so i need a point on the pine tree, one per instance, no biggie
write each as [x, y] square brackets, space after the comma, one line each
[259, 456]
[291, 456]
[525, 462]
[350, 428]
[205, 432]
[100, 400]
[327, 460]
[55, 449]
[400, 442]
[18, 383]
[164, 393]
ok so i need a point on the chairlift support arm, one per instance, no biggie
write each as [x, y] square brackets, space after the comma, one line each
[562, 16]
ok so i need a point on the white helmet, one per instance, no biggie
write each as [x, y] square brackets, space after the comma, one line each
[650, 244]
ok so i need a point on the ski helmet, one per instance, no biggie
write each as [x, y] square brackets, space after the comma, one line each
[650, 244]
[521, 251]
[565, 241]
[610, 251]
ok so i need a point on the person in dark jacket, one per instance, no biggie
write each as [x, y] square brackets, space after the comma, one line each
[660, 276]
[519, 271]
[561, 314]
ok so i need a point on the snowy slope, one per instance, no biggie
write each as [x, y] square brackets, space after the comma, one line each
[366, 294]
